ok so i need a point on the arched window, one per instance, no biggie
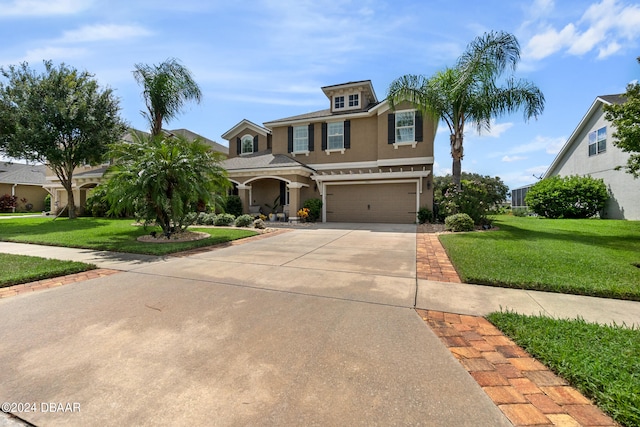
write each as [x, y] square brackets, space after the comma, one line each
[247, 144]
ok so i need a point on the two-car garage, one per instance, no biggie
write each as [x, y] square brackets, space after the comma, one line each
[372, 201]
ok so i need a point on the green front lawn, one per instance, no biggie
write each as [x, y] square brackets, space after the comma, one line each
[585, 257]
[603, 362]
[117, 235]
[17, 269]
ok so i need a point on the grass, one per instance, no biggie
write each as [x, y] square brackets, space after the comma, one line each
[584, 257]
[17, 269]
[603, 362]
[118, 235]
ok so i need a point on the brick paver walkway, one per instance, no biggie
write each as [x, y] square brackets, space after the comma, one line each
[432, 262]
[523, 388]
[56, 281]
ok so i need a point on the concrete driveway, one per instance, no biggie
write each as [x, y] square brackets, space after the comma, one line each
[310, 327]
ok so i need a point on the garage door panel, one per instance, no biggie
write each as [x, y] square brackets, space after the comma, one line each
[390, 203]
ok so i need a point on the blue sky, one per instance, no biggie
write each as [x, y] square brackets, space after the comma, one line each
[267, 59]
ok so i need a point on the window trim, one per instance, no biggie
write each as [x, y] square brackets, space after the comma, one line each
[412, 142]
[305, 151]
[596, 142]
[242, 141]
[346, 101]
[335, 149]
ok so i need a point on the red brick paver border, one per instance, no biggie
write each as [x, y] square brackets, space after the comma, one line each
[432, 262]
[56, 281]
[523, 388]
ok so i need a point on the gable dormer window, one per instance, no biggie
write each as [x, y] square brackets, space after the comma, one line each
[346, 102]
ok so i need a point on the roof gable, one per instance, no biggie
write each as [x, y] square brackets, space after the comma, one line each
[595, 106]
[244, 123]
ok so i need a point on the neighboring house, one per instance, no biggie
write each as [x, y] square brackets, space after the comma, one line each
[87, 177]
[25, 182]
[590, 151]
[365, 162]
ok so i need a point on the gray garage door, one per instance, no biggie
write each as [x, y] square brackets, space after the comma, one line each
[390, 203]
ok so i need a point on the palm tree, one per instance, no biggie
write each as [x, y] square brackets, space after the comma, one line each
[469, 92]
[162, 179]
[167, 87]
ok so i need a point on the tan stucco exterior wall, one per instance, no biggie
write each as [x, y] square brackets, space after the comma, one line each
[32, 193]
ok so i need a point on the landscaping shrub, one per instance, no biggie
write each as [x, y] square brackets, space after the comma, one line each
[7, 203]
[244, 220]
[458, 222]
[209, 219]
[567, 197]
[315, 209]
[200, 218]
[224, 219]
[233, 205]
[95, 205]
[479, 196]
[47, 203]
[520, 212]
[424, 215]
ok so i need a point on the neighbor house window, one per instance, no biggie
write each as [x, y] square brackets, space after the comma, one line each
[335, 135]
[598, 141]
[354, 100]
[300, 138]
[405, 126]
[338, 102]
[247, 144]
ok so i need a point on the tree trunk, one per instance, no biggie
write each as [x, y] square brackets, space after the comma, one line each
[456, 154]
[71, 204]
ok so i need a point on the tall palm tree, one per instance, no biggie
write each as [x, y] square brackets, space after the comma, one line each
[167, 87]
[469, 91]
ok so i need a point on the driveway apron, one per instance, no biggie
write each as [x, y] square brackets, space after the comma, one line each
[310, 327]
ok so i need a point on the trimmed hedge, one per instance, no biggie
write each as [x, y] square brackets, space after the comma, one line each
[458, 222]
[567, 197]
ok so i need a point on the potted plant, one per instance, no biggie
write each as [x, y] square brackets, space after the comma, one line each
[273, 208]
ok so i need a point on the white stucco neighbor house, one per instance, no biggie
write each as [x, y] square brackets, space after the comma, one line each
[590, 151]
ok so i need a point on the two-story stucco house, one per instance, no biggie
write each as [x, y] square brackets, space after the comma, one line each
[365, 162]
[590, 151]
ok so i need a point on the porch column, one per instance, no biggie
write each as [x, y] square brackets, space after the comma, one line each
[244, 192]
[294, 200]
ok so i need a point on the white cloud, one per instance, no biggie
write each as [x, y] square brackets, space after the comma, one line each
[496, 129]
[607, 27]
[513, 158]
[91, 33]
[440, 171]
[539, 143]
[57, 53]
[42, 7]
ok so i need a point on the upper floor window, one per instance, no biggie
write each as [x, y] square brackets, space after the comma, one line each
[598, 141]
[338, 102]
[335, 135]
[300, 138]
[247, 144]
[405, 126]
[354, 100]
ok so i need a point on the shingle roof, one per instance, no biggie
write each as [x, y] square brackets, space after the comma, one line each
[614, 99]
[260, 160]
[322, 114]
[93, 173]
[20, 173]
